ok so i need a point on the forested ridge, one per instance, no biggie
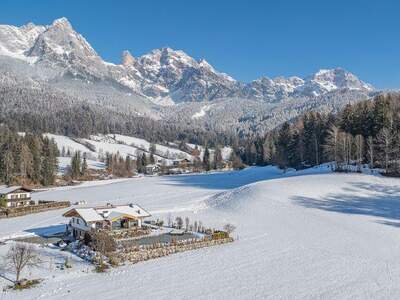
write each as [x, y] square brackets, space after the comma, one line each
[367, 132]
[45, 109]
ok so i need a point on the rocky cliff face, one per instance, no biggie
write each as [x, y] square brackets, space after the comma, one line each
[164, 75]
[57, 56]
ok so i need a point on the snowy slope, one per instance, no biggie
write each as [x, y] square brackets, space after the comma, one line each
[68, 144]
[98, 146]
[301, 235]
[145, 146]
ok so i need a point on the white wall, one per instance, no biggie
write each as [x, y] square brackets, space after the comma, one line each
[79, 223]
[18, 195]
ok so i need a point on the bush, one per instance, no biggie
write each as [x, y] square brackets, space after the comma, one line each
[25, 284]
[219, 235]
[67, 263]
[3, 202]
[87, 239]
[101, 268]
[114, 260]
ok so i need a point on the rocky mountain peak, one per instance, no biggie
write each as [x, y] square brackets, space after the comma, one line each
[62, 22]
[163, 73]
[127, 59]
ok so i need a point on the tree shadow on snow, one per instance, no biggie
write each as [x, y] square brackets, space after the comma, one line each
[225, 179]
[384, 203]
[234, 179]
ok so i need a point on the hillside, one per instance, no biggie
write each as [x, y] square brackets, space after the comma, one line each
[96, 147]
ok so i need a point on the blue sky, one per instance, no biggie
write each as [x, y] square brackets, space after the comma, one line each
[246, 39]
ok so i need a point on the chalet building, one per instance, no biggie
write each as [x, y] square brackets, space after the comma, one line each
[16, 196]
[181, 163]
[152, 169]
[110, 217]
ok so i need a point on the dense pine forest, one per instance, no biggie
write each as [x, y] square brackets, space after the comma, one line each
[70, 116]
[363, 133]
[27, 159]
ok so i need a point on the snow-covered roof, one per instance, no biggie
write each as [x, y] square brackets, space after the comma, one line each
[89, 214]
[152, 166]
[109, 212]
[131, 209]
[9, 189]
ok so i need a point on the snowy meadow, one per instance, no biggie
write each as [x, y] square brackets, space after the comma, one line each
[310, 234]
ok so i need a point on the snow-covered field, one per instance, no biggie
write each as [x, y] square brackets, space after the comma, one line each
[97, 146]
[300, 235]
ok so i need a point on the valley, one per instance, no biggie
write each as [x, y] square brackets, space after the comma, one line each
[339, 237]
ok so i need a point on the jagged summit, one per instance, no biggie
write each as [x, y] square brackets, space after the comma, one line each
[163, 73]
[127, 59]
[62, 22]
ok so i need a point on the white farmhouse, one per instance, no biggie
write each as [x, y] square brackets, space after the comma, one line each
[111, 217]
[16, 196]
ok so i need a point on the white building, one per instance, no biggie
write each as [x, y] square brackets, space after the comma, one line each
[112, 217]
[16, 196]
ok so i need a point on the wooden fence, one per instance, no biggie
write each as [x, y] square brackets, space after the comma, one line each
[26, 210]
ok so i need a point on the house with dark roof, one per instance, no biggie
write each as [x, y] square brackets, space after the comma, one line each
[16, 196]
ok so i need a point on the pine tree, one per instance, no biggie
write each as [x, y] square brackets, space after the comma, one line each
[76, 165]
[84, 166]
[49, 162]
[206, 159]
[217, 162]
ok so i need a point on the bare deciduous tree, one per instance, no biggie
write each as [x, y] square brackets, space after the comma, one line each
[229, 228]
[21, 256]
[179, 222]
[332, 145]
[187, 223]
[385, 143]
[371, 151]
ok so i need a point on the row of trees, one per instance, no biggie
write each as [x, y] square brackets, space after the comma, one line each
[27, 159]
[363, 133]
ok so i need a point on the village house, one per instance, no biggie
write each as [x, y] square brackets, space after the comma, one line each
[152, 169]
[16, 196]
[181, 163]
[109, 217]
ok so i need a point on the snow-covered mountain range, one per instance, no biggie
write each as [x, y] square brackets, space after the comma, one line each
[59, 57]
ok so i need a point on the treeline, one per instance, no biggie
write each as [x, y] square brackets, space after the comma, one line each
[367, 132]
[27, 159]
[120, 166]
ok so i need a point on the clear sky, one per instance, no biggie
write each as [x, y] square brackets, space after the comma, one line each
[246, 39]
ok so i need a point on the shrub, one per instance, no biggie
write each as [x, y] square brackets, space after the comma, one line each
[218, 235]
[229, 228]
[87, 238]
[101, 268]
[25, 284]
[67, 263]
[114, 260]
